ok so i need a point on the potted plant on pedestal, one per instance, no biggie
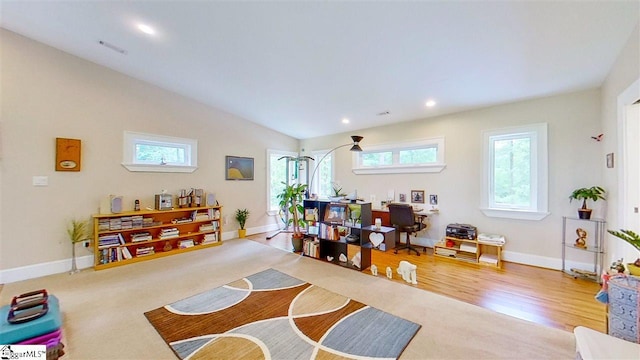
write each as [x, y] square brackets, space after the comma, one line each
[593, 193]
[241, 218]
[633, 239]
[291, 201]
[77, 231]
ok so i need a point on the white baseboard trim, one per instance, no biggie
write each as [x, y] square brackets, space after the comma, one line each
[55, 267]
[38, 270]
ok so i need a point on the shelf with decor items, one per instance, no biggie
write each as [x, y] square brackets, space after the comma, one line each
[129, 237]
[586, 252]
[340, 228]
[470, 250]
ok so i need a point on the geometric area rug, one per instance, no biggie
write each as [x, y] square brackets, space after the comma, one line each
[271, 315]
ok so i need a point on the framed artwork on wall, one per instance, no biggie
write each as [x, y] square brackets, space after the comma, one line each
[417, 196]
[238, 168]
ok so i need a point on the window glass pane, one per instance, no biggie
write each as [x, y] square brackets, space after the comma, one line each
[512, 172]
[377, 158]
[325, 177]
[159, 154]
[277, 177]
[418, 156]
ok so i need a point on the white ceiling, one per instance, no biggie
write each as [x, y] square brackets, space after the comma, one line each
[301, 67]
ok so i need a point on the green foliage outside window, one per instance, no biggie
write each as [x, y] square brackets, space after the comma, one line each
[512, 172]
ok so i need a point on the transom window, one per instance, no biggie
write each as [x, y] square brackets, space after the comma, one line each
[420, 156]
[159, 153]
[515, 172]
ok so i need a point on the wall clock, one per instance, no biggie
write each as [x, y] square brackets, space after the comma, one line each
[68, 154]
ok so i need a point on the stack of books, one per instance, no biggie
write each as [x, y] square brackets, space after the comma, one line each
[169, 233]
[111, 240]
[200, 216]
[143, 251]
[206, 227]
[136, 221]
[103, 225]
[115, 224]
[141, 236]
[210, 238]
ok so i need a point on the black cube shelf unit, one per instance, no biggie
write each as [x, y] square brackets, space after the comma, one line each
[339, 228]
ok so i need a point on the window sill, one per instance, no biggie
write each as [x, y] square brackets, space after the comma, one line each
[400, 169]
[515, 214]
[159, 168]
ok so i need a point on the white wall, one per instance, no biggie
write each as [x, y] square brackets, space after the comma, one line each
[618, 85]
[574, 161]
[47, 93]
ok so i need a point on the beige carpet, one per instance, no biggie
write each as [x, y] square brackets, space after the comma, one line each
[103, 311]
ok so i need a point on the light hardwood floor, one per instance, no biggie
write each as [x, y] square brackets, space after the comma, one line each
[543, 296]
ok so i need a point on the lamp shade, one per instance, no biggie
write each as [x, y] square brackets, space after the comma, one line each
[356, 143]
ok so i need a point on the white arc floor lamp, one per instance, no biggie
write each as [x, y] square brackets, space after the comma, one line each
[355, 146]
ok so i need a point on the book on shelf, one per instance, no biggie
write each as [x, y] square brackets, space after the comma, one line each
[126, 254]
[206, 227]
[141, 236]
[111, 240]
[468, 248]
[182, 220]
[210, 238]
[147, 250]
[187, 243]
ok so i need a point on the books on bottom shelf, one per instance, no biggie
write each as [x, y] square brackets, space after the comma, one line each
[113, 254]
[144, 251]
[210, 238]
[311, 248]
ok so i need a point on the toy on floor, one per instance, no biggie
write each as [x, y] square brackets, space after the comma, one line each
[389, 272]
[408, 271]
[374, 270]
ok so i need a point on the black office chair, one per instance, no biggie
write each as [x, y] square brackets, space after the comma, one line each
[403, 220]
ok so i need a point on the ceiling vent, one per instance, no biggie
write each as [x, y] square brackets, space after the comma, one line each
[384, 113]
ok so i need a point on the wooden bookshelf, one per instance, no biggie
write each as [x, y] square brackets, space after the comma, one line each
[129, 237]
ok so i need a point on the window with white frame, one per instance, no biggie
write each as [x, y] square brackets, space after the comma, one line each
[515, 175]
[277, 175]
[322, 182]
[159, 153]
[420, 156]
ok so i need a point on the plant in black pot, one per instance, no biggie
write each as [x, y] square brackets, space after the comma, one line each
[593, 193]
[291, 199]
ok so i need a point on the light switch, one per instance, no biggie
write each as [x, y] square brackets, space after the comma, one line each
[40, 181]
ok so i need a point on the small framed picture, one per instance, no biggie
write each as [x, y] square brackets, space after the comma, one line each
[417, 196]
[433, 199]
[402, 197]
[610, 160]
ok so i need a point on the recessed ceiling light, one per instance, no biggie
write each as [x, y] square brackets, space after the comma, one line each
[146, 29]
[345, 121]
[430, 103]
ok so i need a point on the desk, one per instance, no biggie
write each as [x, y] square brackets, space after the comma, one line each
[383, 214]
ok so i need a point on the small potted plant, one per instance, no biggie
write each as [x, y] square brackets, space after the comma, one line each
[633, 239]
[241, 218]
[337, 193]
[593, 193]
[77, 231]
[291, 199]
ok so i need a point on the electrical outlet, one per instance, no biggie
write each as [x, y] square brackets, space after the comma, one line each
[86, 243]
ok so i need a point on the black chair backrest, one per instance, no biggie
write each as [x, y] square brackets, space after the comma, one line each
[401, 215]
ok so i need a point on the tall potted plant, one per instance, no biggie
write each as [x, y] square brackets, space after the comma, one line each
[241, 218]
[593, 193]
[291, 199]
[77, 231]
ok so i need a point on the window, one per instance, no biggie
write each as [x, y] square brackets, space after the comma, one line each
[322, 182]
[420, 156]
[515, 172]
[159, 153]
[276, 175]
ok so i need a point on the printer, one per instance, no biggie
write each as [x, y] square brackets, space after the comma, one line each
[462, 231]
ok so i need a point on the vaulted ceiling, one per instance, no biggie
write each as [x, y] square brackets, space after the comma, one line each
[302, 67]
